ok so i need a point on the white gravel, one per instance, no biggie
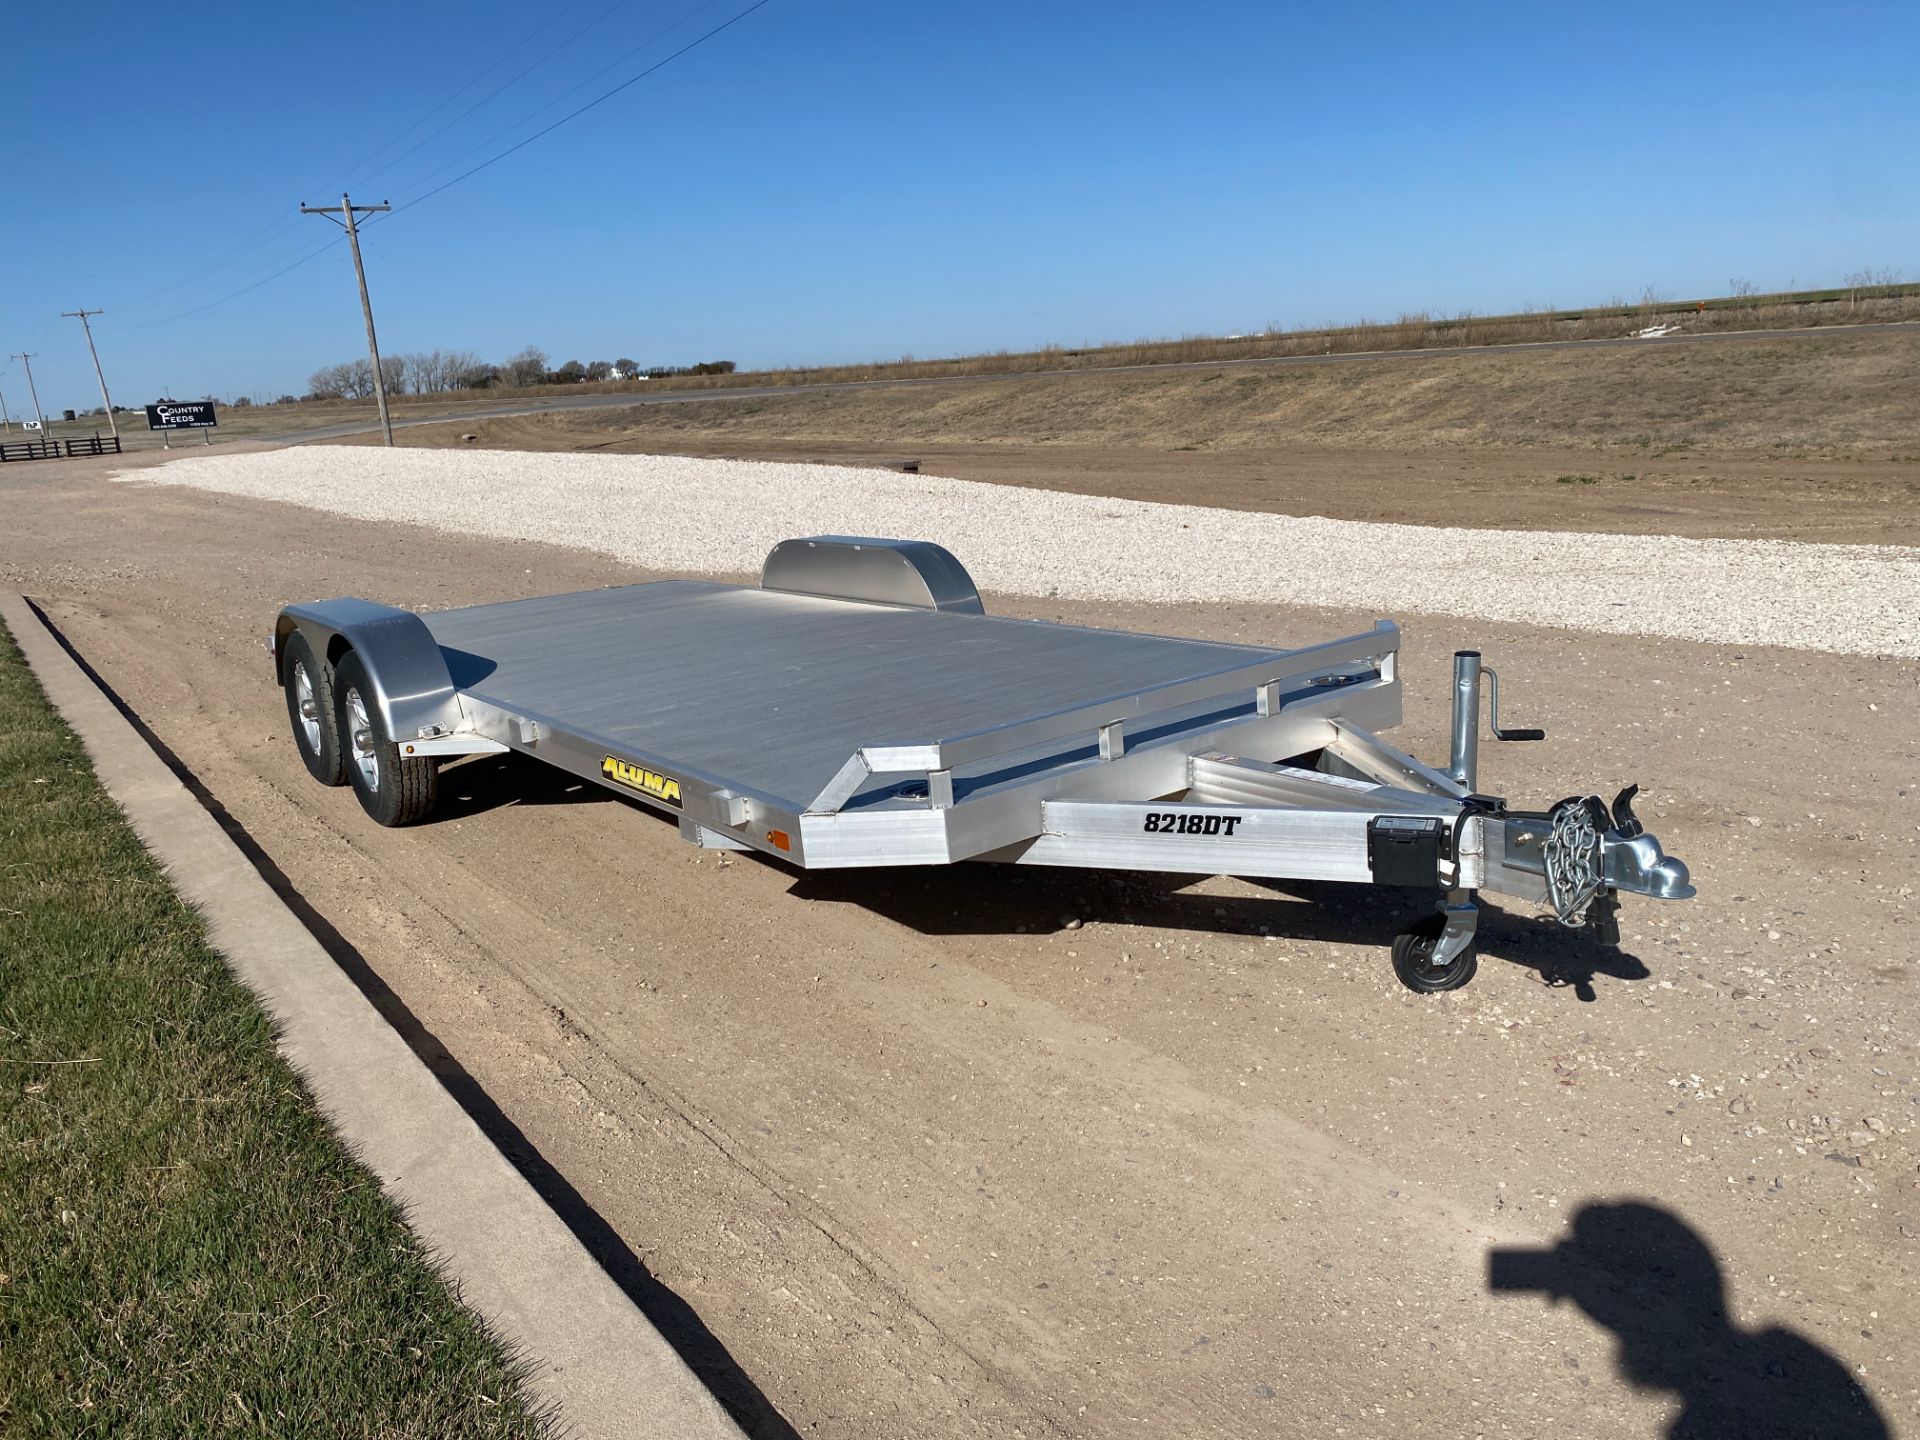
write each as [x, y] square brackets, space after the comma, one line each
[677, 513]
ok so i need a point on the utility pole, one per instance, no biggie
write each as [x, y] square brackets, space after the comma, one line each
[105, 399]
[27, 360]
[347, 210]
[5, 418]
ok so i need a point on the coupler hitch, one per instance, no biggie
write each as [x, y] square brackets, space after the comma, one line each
[1575, 858]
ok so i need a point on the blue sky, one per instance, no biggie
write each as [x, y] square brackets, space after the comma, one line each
[849, 179]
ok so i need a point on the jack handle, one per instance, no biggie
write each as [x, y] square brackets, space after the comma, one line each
[1493, 712]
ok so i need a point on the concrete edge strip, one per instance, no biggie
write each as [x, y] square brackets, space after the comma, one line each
[594, 1357]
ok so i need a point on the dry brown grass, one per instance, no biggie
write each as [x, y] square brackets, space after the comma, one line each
[1844, 395]
[1836, 309]
[1420, 331]
[1841, 392]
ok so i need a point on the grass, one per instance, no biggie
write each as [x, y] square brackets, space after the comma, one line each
[1843, 394]
[185, 1248]
[1834, 309]
[1415, 331]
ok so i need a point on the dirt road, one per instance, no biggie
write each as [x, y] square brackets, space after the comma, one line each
[977, 1153]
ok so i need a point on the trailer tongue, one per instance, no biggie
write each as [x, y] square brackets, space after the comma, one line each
[859, 708]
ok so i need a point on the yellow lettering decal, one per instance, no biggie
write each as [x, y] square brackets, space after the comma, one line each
[638, 777]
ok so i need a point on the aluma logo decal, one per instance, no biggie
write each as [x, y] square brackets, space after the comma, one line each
[638, 777]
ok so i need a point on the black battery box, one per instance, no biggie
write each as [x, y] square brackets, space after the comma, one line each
[1405, 849]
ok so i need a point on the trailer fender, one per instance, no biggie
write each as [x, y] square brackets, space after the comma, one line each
[886, 572]
[416, 695]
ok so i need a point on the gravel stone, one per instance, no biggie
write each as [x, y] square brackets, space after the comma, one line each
[681, 513]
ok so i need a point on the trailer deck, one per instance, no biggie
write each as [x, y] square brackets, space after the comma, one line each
[773, 691]
[859, 708]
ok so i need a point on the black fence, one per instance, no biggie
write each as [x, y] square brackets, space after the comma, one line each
[61, 449]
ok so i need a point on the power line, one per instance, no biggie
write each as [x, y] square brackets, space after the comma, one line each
[272, 228]
[401, 134]
[276, 228]
[281, 225]
[312, 254]
[491, 94]
[261, 238]
[570, 116]
[573, 89]
[591, 104]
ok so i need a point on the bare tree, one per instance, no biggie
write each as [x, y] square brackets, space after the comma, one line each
[352, 380]
[470, 372]
[599, 369]
[431, 372]
[455, 366]
[529, 367]
[423, 371]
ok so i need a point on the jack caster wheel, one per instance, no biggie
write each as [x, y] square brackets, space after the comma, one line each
[1413, 959]
[393, 788]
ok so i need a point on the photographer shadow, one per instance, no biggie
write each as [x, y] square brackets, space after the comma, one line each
[1649, 1277]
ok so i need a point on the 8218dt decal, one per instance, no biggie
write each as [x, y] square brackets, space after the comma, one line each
[1177, 822]
[638, 777]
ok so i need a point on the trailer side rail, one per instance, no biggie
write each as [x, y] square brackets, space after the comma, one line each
[1372, 655]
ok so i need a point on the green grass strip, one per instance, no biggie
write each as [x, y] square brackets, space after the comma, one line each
[185, 1248]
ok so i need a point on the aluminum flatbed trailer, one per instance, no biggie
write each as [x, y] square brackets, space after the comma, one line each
[858, 707]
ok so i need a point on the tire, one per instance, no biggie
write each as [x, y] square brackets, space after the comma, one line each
[312, 713]
[1413, 960]
[394, 789]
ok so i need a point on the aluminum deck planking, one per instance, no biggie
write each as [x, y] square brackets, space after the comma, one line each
[774, 691]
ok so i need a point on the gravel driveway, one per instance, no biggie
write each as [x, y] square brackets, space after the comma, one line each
[682, 513]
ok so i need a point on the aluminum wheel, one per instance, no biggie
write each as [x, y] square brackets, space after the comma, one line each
[309, 707]
[394, 788]
[360, 740]
[313, 711]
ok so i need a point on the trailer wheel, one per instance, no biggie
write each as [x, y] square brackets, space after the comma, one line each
[394, 789]
[311, 711]
[1413, 960]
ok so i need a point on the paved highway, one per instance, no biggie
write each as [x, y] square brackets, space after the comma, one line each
[602, 401]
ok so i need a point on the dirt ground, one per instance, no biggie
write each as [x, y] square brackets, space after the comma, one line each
[983, 1153]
